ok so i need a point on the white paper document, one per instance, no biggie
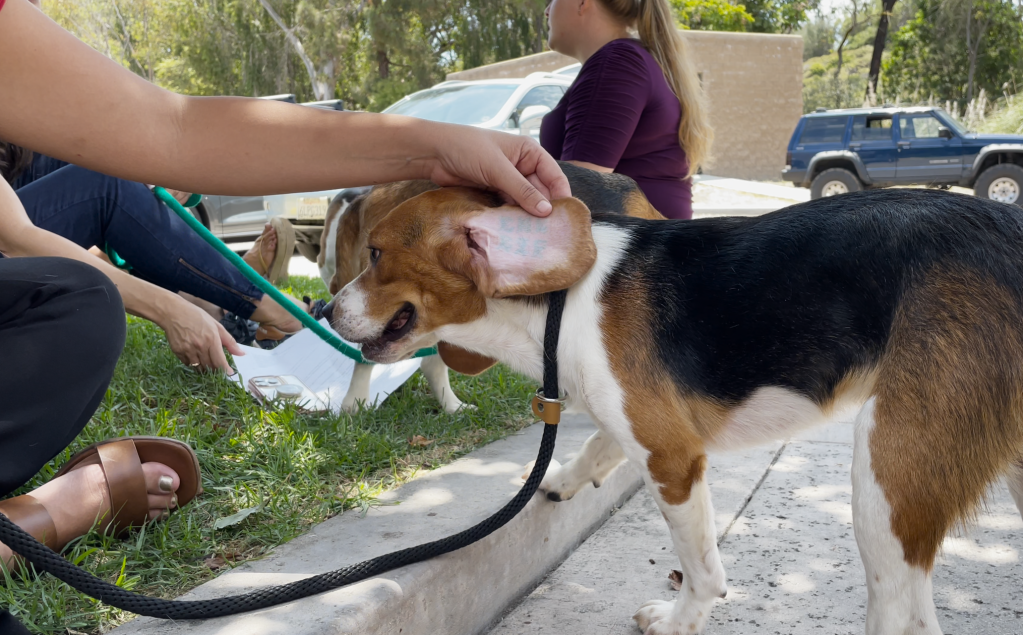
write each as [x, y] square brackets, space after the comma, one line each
[323, 369]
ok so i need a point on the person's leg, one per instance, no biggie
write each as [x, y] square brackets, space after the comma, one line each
[62, 329]
[41, 166]
[89, 209]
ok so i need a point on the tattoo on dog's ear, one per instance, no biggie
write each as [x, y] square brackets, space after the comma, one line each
[463, 361]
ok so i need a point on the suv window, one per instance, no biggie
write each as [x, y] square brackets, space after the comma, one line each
[872, 128]
[922, 126]
[540, 96]
[823, 130]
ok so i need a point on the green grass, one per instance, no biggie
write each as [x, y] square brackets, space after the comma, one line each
[297, 469]
[1006, 117]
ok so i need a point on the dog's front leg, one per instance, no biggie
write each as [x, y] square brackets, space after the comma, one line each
[692, 531]
[436, 373]
[358, 389]
[597, 458]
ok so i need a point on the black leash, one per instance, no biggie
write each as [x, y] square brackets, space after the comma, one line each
[547, 408]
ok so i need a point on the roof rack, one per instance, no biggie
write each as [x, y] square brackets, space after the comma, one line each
[329, 104]
[289, 98]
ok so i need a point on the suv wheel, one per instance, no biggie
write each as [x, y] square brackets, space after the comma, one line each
[1002, 183]
[834, 181]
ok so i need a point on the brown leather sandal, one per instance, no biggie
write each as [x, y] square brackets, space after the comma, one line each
[121, 461]
[277, 268]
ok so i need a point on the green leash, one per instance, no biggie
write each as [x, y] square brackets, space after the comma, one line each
[263, 284]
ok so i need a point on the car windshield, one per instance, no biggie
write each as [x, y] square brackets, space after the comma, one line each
[952, 123]
[470, 104]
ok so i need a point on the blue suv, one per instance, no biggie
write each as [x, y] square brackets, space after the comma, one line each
[838, 151]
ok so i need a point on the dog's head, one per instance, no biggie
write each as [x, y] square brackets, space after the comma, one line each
[437, 258]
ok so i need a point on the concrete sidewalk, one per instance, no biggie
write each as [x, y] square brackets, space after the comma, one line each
[785, 530]
[462, 592]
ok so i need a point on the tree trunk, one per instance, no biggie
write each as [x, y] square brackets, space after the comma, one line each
[383, 64]
[540, 22]
[841, 46]
[320, 88]
[973, 48]
[879, 42]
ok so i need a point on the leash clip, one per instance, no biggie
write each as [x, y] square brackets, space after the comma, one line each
[545, 410]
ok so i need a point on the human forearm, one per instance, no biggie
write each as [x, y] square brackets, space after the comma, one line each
[124, 126]
[277, 147]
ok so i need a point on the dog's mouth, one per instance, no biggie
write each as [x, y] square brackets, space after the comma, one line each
[400, 325]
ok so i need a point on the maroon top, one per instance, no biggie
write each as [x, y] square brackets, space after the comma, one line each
[2, 3]
[621, 113]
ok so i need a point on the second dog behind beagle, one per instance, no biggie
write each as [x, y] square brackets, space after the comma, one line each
[344, 255]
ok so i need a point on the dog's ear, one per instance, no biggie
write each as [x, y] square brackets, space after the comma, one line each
[463, 361]
[508, 252]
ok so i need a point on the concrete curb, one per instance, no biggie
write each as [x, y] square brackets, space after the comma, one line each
[461, 593]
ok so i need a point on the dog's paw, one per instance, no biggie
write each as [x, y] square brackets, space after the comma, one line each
[352, 407]
[549, 484]
[652, 613]
[453, 404]
[655, 618]
[556, 483]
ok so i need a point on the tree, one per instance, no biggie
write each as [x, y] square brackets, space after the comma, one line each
[835, 72]
[854, 25]
[887, 6]
[328, 27]
[778, 16]
[819, 34]
[953, 48]
[711, 15]
[974, 39]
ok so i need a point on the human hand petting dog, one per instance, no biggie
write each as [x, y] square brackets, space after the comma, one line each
[515, 166]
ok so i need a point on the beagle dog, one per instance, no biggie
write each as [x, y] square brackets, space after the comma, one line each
[683, 336]
[343, 254]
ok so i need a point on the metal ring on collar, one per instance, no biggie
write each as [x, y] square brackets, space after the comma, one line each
[542, 407]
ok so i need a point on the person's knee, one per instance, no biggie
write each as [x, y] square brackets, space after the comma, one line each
[97, 305]
[117, 192]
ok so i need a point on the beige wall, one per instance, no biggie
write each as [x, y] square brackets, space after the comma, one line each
[754, 85]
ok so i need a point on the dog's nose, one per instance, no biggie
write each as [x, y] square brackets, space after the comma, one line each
[328, 312]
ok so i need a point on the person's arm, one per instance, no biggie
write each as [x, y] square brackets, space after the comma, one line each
[195, 337]
[607, 101]
[124, 126]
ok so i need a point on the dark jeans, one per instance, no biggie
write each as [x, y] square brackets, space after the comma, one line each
[61, 331]
[89, 208]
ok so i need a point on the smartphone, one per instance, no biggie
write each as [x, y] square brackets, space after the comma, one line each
[286, 389]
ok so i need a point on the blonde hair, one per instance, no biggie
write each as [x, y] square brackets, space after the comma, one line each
[658, 33]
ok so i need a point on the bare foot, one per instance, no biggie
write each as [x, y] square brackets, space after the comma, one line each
[76, 500]
[263, 251]
[270, 314]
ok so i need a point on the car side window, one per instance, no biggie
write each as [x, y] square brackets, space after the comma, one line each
[823, 130]
[872, 128]
[922, 126]
[540, 96]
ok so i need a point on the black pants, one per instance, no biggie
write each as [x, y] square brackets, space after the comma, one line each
[61, 331]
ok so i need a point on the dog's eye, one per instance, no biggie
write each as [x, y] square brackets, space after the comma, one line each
[374, 254]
